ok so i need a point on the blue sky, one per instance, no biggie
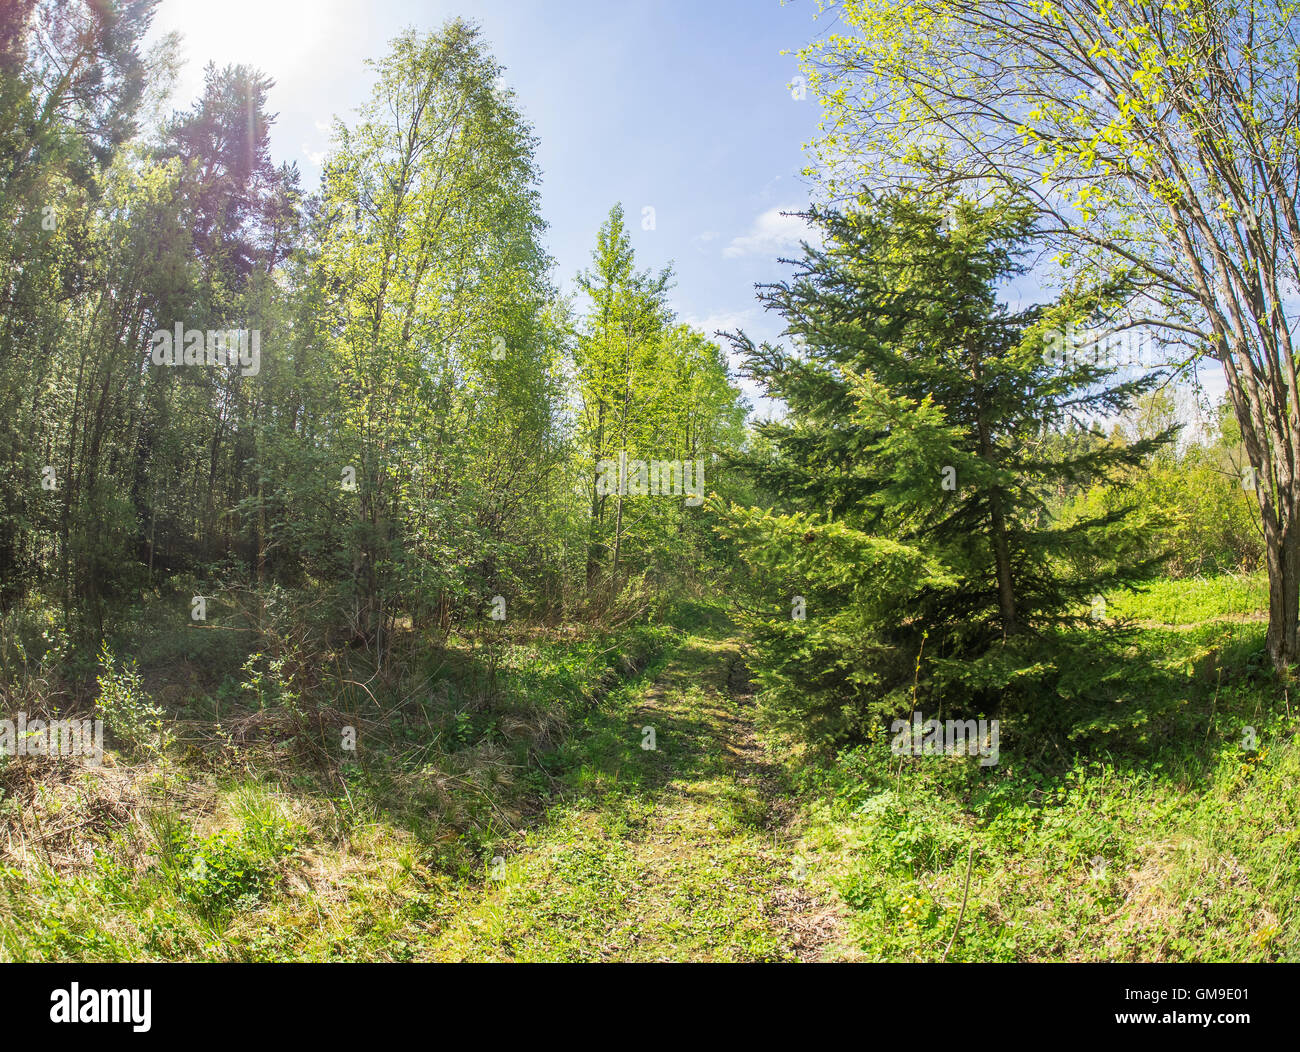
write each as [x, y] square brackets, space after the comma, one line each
[683, 106]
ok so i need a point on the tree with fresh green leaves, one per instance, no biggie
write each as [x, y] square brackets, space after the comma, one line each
[615, 361]
[436, 290]
[647, 390]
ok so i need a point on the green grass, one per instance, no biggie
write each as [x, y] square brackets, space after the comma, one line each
[501, 808]
[653, 855]
[1099, 864]
[1169, 834]
[1195, 600]
[259, 839]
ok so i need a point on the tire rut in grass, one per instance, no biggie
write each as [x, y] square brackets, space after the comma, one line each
[684, 852]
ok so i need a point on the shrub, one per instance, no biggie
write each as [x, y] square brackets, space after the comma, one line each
[127, 709]
[230, 869]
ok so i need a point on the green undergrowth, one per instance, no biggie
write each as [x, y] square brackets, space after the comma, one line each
[255, 833]
[1169, 833]
[1194, 600]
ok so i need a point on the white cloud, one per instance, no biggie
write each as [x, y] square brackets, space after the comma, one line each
[760, 326]
[722, 321]
[771, 234]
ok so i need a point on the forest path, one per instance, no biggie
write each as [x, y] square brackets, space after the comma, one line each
[688, 851]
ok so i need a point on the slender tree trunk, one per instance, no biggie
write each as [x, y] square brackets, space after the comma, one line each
[618, 515]
[1283, 597]
[597, 506]
[1271, 440]
[1002, 559]
[997, 523]
[261, 503]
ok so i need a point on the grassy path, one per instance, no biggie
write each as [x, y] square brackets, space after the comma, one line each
[683, 852]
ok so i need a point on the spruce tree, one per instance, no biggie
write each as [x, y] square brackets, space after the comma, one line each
[911, 473]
